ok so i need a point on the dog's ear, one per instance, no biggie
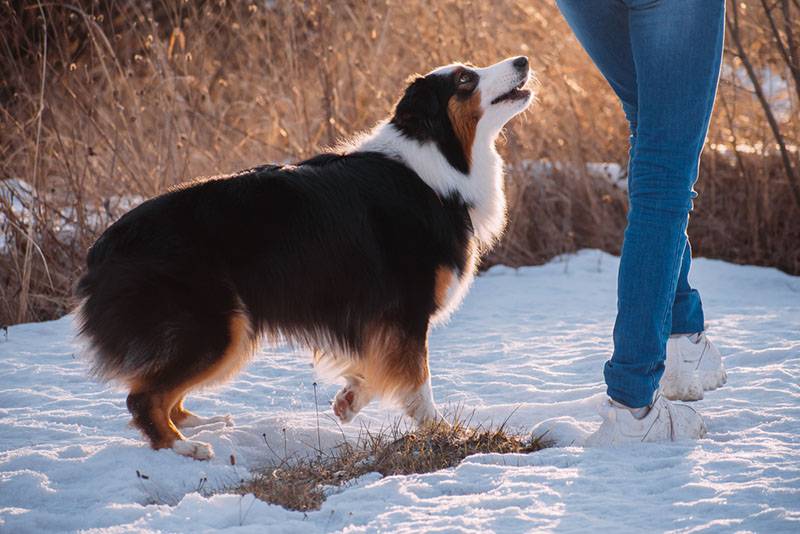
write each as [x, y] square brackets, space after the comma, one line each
[418, 105]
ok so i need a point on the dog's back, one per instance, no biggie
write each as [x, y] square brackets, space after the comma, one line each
[325, 253]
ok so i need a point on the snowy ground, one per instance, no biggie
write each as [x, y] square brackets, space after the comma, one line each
[531, 340]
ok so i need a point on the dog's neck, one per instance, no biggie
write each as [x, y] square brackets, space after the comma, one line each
[482, 189]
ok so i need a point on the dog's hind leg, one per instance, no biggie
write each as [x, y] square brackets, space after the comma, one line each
[355, 394]
[150, 412]
[154, 408]
[239, 347]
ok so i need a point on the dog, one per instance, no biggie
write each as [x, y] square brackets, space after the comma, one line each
[353, 253]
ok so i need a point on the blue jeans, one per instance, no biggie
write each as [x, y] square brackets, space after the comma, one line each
[662, 58]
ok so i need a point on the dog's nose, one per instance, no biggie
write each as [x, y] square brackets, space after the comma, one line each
[521, 63]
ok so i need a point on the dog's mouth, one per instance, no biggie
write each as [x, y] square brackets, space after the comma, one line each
[517, 93]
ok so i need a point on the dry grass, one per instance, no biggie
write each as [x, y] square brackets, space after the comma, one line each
[746, 214]
[303, 483]
[109, 101]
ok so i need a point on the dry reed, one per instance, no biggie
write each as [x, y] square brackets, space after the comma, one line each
[107, 102]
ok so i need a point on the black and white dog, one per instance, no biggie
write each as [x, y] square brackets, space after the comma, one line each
[353, 253]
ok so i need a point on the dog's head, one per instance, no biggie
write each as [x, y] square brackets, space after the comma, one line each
[454, 105]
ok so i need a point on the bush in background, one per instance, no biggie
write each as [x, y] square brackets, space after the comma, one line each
[108, 102]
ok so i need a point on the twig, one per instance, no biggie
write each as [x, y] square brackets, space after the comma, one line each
[316, 408]
[22, 310]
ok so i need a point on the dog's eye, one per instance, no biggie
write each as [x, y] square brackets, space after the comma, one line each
[466, 81]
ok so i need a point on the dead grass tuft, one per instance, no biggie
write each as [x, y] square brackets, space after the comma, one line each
[303, 483]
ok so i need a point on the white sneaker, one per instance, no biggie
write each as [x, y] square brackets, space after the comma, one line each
[693, 365]
[664, 421]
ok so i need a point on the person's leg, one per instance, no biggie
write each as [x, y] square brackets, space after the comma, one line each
[601, 27]
[679, 100]
[687, 310]
[677, 48]
[693, 364]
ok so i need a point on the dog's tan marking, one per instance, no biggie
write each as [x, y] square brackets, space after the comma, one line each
[239, 349]
[394, 366]
[444, 277]
[388, 364]
[179, 414]
[464, 115]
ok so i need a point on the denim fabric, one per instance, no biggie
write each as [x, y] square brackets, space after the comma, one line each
[662, 58]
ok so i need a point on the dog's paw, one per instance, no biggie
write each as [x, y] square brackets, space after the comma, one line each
[193, 449]
[196, 420]
[350, 400]
[344, 403]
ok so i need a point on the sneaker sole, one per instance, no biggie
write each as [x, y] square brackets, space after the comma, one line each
[688, 387]
[691, 388]
[712, 380]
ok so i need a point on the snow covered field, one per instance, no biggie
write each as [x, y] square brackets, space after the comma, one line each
[529, 342]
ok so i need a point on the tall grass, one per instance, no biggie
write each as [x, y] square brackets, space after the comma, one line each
[107, 102]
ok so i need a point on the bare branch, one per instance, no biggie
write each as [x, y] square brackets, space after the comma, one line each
[786, 53]
[791, 43]
[733, 30]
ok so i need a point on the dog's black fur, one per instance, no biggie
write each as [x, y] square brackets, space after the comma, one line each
[333, 243]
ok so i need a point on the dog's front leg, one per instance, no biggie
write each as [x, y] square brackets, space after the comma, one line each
[351, 399]
[419, 405]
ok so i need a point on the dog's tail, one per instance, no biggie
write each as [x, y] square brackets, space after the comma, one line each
[139, 318]
[102, 340]
[92, 326]
[95, 258]
[121, 302]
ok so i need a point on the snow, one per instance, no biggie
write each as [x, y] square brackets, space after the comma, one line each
[774, 85]
[20, 196]
[527, 343]
[613, 173]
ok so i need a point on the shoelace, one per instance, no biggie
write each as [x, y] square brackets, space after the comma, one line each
[670, 414]
[705, 348]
